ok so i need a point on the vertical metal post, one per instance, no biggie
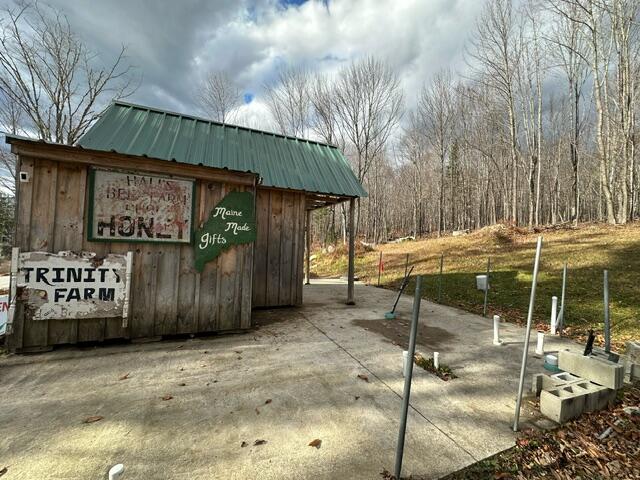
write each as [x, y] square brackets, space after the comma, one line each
[525, 351]
[407, 379]
[440, 278]
[379, 268]
[564, 288]
[352, 248]
[486, 288]
[607, 320]
[13, 288]
[308, 253]
[406, 265]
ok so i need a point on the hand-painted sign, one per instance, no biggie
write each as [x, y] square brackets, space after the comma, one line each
[231, 222]
[67, 285]
[134, 207]
[4, 311]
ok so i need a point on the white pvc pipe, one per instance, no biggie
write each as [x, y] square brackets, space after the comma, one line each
[405, 362]
[496, 330]
[554, 314]
[116, 471]
[540, 345]
[436, 360]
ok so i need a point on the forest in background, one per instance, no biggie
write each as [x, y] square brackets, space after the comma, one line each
[538, 128]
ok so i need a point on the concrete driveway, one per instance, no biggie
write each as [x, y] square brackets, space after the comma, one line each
[292, 380]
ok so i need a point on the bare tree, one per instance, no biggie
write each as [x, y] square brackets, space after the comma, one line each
[289, 101]
[11, 121]
[568, 49]
[47, 71]
[369, 105]
[495, 57]
[437, 114]
[220, 97]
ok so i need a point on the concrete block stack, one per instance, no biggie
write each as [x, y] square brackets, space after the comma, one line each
[587, 384]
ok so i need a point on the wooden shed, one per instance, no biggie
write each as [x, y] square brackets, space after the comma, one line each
[158, 223]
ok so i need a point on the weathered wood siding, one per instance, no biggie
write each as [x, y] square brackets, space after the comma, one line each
[168, 295]
[279, 248]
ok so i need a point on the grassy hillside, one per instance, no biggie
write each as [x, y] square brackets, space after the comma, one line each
[588, 249]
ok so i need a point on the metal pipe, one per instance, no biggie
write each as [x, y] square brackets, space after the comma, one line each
[440, 278]
[407, 379]
[379, 268]
[607, 320]
[554, 315]
[436, 360]
[13, 288]
[486, 288]
[525, 351]
[406, 265]
[564, 288]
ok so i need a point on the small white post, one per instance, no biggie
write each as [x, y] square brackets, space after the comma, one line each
[116, 471]
[436, 360]
[554, 314]
[540, 344]
[405, 362]
[496, 330]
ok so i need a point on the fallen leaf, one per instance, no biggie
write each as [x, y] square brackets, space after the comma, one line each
[259, 442]
[357, 397]
[315, 443]
[268, 401]
[183, 384]
[257, 411]
[167, 397]
[93, 418]
[124, 377]
[238, 351]
[3, 471]
[363, 377]
[243, 444]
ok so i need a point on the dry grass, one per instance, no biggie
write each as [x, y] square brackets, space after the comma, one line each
[588, 250]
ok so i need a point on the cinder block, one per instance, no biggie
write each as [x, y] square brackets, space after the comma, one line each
[597, 370]
[634, 372]
[633, 352]
[542, 381]
[562, 404]
[597, 397]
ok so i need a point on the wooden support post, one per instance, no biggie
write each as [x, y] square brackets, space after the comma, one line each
[308, 253]
[352, 252]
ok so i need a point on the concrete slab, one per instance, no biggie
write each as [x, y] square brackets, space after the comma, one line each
[305, 361]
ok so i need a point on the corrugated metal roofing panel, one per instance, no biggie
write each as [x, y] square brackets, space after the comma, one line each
[283, 162]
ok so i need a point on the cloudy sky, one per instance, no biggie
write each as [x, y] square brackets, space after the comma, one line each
[173, 44]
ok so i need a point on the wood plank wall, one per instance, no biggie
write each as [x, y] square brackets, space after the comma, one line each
[168, 295]
[279, 248]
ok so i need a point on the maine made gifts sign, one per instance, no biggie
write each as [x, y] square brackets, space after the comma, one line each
[231, 222]
[136, 207]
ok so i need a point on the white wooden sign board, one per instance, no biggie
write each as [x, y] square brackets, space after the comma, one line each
[74, 286]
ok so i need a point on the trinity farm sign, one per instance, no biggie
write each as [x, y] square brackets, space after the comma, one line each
[68, 285]
[132, 207]
[231, 222]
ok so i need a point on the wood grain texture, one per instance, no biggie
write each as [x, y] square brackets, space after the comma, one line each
[168, 296]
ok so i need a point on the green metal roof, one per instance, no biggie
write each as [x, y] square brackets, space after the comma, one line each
[281, 161]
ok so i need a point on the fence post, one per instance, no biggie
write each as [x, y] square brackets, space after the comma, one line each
[525, 352]
[607, 320]
[407, 379]
[379, 268]
[440, 278]
[564, 288]
[486, 288]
